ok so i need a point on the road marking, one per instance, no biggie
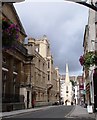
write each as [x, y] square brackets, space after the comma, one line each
[68, 115]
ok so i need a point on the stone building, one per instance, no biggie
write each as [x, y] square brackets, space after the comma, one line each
[28, 73]
[15, 57]
[90, 45]
[45, 77]
[52, 72]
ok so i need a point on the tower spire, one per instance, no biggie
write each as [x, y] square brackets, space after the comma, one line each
[67, 75]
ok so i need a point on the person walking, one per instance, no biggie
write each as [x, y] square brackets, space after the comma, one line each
[33, 103]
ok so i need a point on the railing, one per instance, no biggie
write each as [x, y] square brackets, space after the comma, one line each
[25, 84]
[15, 45]
[20, 47]
[5, 65]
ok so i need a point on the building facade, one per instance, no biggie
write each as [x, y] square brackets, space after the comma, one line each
[81, 95]
[90, 45]
[45, 76]
[28, 75]
[13, 60]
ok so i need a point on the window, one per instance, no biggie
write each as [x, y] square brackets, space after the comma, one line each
[4, 59]
[14, 88]
[66, 89]
[14, 79]
[5, 76]
[52, 61]
[3, 88]
[48, 64]
[48, 77]
[14, 67]
[14, 84]
[43, 66]
[37, 48]
[39, 64]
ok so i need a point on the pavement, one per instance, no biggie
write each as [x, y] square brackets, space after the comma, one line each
[77, 111]
[81, 112]
[16, 112]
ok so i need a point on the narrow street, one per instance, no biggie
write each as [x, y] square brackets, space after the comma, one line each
[51, 112]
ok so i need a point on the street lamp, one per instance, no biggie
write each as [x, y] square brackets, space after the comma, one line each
[30, 58]
[92, 6]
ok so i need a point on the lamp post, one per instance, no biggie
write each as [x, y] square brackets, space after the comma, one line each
[29, 93]
[92, 6]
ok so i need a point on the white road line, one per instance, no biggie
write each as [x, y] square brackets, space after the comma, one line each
[68, 115]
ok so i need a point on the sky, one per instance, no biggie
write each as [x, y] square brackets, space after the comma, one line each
[63, 23]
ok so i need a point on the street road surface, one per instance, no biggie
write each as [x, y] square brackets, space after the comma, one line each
[51, 112]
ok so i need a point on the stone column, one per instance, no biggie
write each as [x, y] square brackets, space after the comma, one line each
[21, 81]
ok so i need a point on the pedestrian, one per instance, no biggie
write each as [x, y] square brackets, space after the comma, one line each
[33, 103]
[71, 103]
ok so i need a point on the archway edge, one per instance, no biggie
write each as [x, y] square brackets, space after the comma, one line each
[92, 6]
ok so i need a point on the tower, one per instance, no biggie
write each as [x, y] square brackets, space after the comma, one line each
[67, 89]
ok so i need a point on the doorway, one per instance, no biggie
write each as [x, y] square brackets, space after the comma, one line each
[27, 99]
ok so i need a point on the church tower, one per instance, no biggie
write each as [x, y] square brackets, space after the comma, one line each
[67, 88]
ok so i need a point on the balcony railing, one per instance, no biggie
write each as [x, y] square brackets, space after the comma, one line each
[12, 98]
[20, 47]
[25, 84]
[15, 45]
[4, 65]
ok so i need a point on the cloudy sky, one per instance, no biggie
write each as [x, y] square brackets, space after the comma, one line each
[63, 23]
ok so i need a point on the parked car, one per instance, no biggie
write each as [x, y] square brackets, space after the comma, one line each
[62, 102]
